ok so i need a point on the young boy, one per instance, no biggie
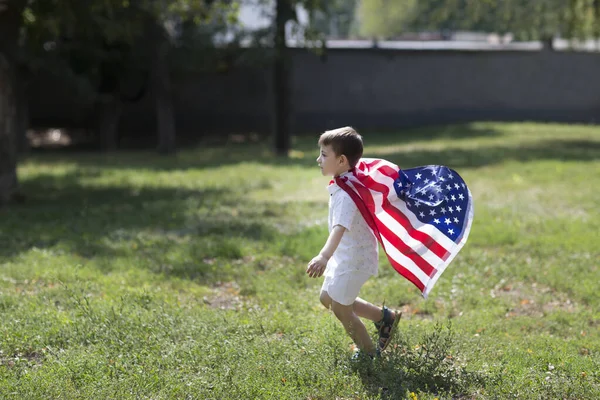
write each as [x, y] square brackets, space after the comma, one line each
[350, 255]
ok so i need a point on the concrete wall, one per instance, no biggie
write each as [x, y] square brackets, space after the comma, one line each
[370, 89]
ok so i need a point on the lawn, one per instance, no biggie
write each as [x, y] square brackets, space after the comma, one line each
[136, 276]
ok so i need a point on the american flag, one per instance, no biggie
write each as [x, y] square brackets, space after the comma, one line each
[421, 216]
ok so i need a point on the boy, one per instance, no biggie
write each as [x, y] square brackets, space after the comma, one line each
[350, 255]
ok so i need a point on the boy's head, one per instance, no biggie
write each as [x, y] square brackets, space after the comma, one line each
[340, 150]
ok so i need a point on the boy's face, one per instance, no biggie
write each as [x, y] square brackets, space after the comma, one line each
[330, 163]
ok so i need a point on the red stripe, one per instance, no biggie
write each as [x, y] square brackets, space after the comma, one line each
[407, 274]
[422, 237]
[405, 249]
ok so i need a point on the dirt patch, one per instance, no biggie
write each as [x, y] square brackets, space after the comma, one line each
[225, 296]
[532, 300]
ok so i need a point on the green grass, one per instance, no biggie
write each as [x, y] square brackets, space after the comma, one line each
[131, 276]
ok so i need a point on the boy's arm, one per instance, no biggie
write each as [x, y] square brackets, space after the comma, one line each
[317, 265]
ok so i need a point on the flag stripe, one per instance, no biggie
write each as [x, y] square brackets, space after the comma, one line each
[406, 252]
[407, 273]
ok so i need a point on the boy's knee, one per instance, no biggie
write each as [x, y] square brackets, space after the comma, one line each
[325, 299]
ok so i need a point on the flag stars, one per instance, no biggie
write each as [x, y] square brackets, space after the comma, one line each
[456, 220]
[453, 198]
[451, 231]
[422, 214]
[460, 196]
[451, 176]
[457, 186]
[432, 212]
[451, 210]
[426, 181]
[458, 209]
[447, 221]
[418, 176]
[437, 221]
[431, 197]
[448, 187]
[443, 210]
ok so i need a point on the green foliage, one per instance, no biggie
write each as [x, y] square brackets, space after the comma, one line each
[527, 20]
[131, 275]
[386, 18]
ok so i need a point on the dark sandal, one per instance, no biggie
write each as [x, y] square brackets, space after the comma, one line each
[386, 328]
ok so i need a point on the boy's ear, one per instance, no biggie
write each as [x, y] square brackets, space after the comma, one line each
[343, 159]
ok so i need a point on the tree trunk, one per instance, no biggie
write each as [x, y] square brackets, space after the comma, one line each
[8, 133]
[108, 114]
[10, 23]
[161, 85]
[281, 81]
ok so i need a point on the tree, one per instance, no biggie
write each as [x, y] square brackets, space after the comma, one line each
[10, 24]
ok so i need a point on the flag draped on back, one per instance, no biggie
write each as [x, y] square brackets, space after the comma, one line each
[421, 216]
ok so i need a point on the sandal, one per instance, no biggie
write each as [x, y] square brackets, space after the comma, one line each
[386, 328]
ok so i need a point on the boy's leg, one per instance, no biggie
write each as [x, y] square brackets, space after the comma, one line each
[385, 320]
[354, 326]
[364, 309]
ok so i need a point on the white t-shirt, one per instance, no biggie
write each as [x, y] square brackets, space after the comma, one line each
[358, 249]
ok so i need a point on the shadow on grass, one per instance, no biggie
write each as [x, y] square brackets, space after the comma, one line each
[306, 151]
[150, 227]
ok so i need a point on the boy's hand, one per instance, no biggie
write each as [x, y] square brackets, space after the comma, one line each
[317, 266]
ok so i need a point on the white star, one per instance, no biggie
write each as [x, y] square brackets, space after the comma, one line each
[430, 197]
[460, 196]
[442, 178]
[399, 184]
[437, 221]
[451, 210]
[456, 220]
[426, 181]
[447, 221]
[451, 231]
[448, 187]
[418, 176]
[417, 204]
[446, 198]
[407, 184]
[438, 189]
[456, 185]
[432, 212]
[418, 189]
[421, 214]
[453, 198]
[458, 208]
[443, 211]
[463, 185]
[450, 176]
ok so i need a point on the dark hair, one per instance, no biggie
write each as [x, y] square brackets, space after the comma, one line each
[344, 141]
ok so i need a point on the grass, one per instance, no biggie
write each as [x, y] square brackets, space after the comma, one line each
[132, 275]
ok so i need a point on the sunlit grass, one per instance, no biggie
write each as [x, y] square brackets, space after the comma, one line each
[132, 275]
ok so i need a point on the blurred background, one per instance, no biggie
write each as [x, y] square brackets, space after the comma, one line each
[111, 74]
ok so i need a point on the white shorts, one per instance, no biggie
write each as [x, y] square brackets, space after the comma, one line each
[343, 288]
